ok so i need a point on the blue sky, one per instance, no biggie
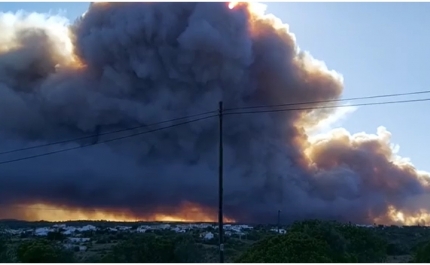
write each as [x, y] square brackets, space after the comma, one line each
[379, 48]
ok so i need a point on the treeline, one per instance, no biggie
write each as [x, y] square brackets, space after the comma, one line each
[136, 249]
[305, 242]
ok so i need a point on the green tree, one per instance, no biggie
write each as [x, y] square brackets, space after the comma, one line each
[5, 251]
[332, 241]
[293, 247]
[422, 254]
[327, 232]
[145, 249]
[55, 236]
[38, 251]
[348, 243]
[149, 248]
[364, 245]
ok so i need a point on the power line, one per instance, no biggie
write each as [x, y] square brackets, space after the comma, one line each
[101, 134]
[227, 113]
[107, 141]
[209, 112]
[331, 101]
[331, 107]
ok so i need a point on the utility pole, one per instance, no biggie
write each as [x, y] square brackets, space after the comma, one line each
[279, 219]
[220, 195]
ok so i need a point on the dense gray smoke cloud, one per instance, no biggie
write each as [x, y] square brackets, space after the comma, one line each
[127, 64]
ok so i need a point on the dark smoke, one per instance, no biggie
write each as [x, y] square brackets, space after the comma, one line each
[148, 62]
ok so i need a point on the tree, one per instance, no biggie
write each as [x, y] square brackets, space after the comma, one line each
[43, 251]
[364, 245]
[293, 247]
[422, 254]
[186, 250]
[5, 251]
[327, 232]
[332, 241]
[149, 248]
[55, 236]
[348, 243]
[145, 249]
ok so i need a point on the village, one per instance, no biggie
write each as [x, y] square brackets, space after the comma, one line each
[81, 237]
[92, 241]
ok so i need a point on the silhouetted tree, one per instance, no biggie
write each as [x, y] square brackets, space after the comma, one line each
[422, 254]
[290, 248]
[55, 235]
[5, 256]
[149, 248]
[43, 251]
[318, 241]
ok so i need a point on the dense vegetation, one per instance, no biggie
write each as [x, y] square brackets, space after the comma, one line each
[5, 252]
[308, 241]
[155, 249]
[39, 251]
[315, 241]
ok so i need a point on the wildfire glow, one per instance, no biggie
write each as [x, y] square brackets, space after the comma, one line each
[187, 212]
[231, 5]
[257, 9]
[396, 216]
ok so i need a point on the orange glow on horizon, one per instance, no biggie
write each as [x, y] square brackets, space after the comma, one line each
[396, 216]
[187, 212]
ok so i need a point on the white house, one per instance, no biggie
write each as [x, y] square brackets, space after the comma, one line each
[78, 239]
[42, 231]
[207, 235]
[141, 229]
[178, 230]
[281, 231]
[87, 228]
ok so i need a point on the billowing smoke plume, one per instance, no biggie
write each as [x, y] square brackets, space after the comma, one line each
[127, 64]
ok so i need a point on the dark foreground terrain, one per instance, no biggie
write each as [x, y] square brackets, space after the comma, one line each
[308, 241]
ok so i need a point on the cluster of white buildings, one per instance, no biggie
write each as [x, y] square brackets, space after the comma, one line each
[183, 228]
[73, 232]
